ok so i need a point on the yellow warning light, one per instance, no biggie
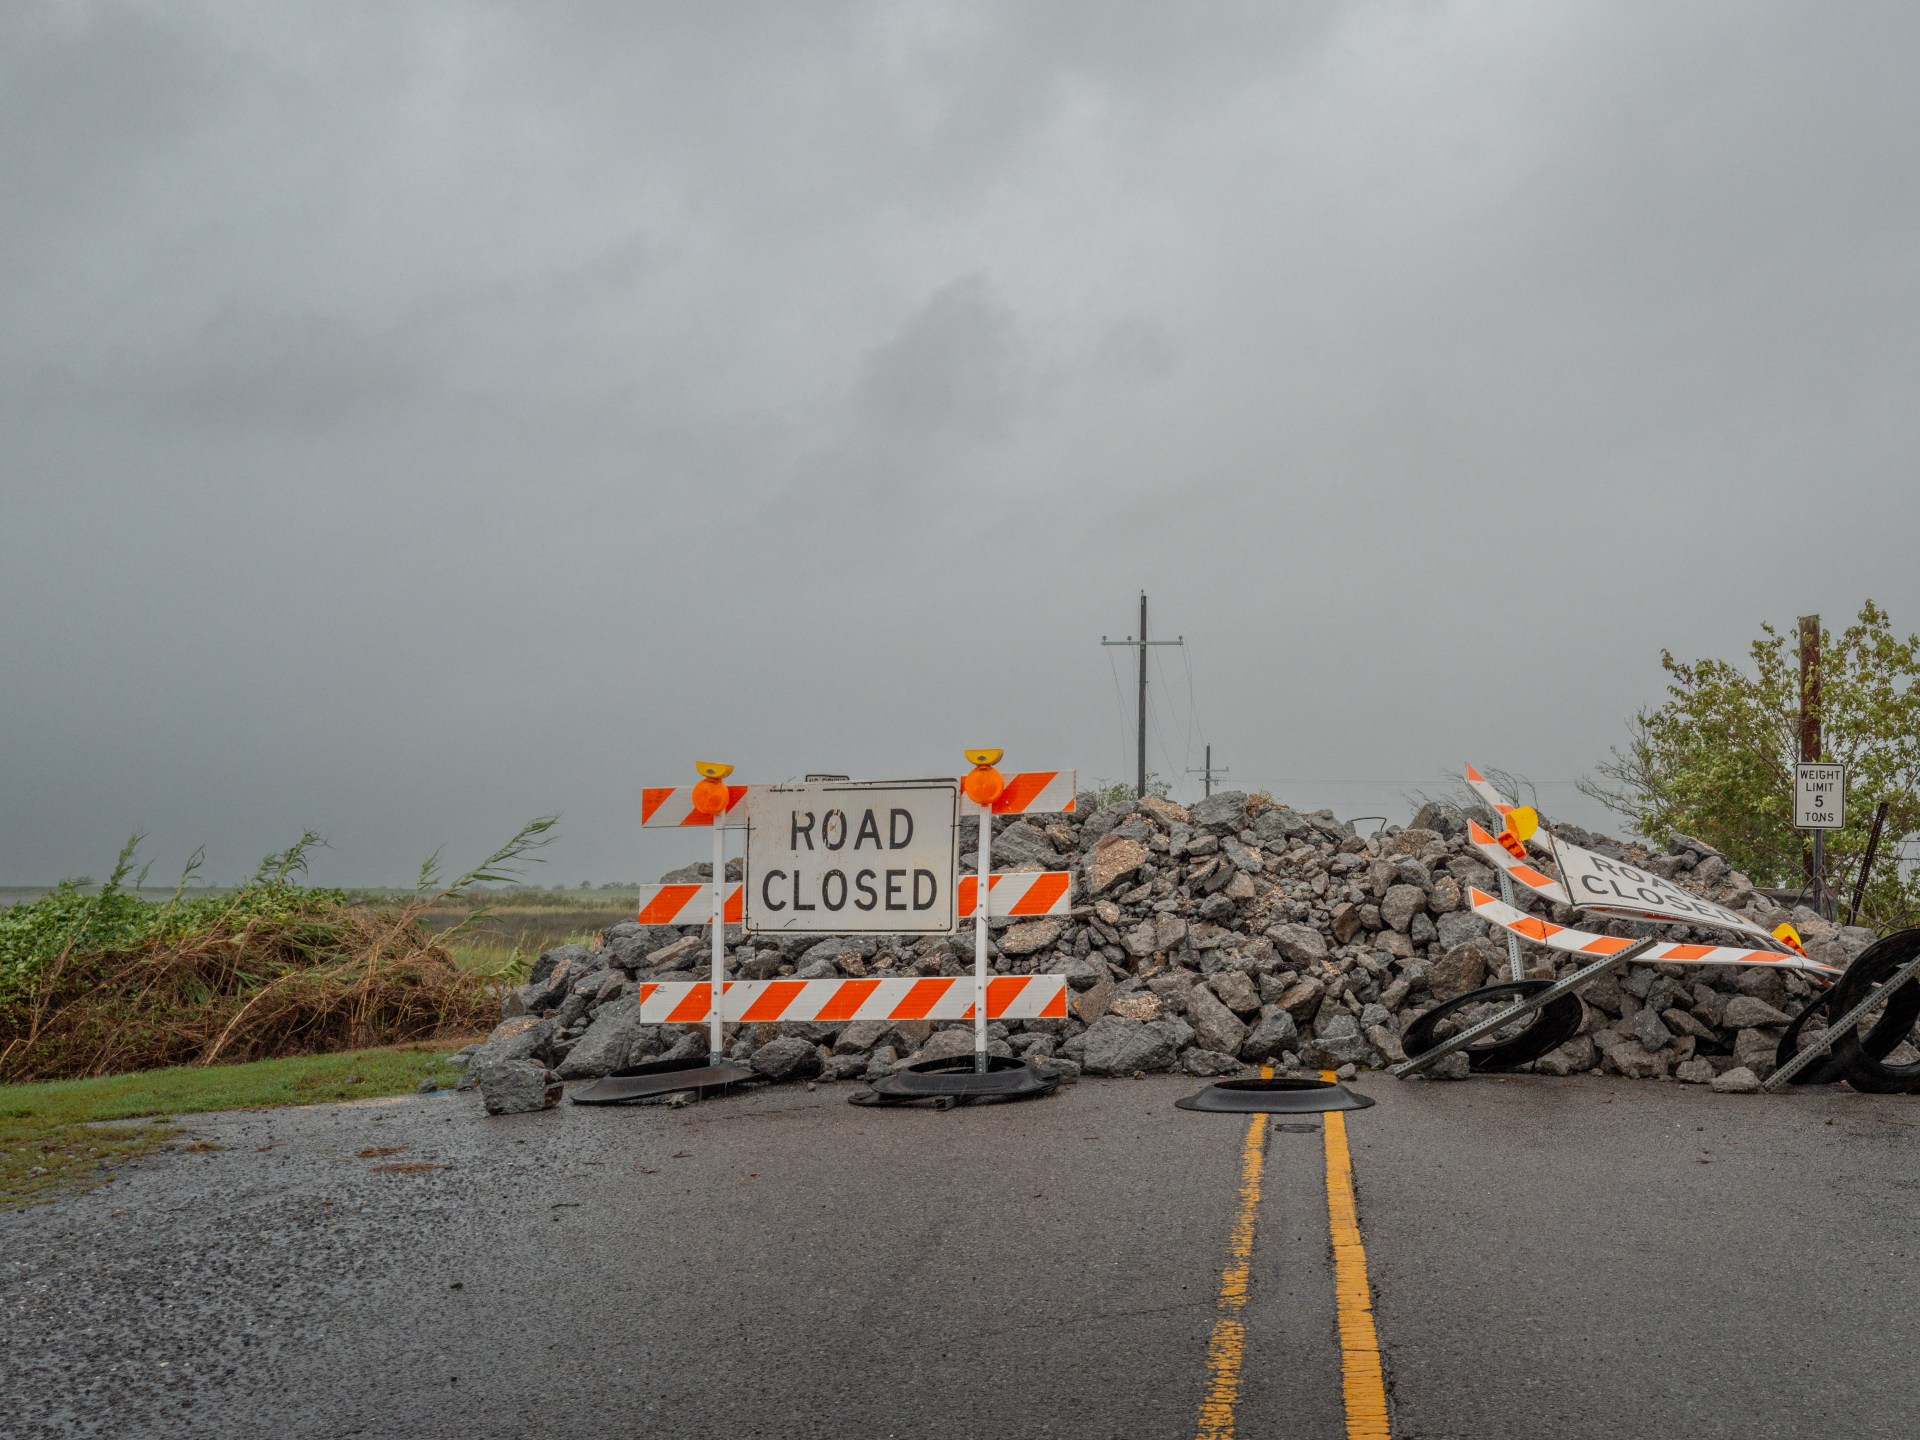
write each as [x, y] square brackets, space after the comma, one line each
[710, 794]
[983, 784]
[1524, 822]
[1790, 937]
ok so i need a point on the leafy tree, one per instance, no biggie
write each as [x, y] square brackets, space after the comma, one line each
[1716, 760]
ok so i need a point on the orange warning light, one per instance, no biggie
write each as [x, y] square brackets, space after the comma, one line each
[710, 794]
[983, 784]
[1511, 844]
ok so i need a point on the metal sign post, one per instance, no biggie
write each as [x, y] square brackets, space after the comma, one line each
[1514, 967]
[980, 944]
[1819, 805]
[983, 785]
[719, 929]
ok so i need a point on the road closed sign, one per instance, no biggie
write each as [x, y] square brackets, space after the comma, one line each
[839, 858]
[1820, 797]
[1613, 887]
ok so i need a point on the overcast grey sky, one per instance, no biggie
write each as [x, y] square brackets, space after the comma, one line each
[416, 417]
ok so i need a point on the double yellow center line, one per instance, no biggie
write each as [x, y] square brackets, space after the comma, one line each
[1363, 1383]
[1361, 1378]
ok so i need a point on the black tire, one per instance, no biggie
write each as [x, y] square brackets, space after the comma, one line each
[1864, 1057]
[1550, 1027]
[1824, 1071]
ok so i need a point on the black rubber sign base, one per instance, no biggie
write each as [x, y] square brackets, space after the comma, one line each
[647, 1082]
[1281, 1095]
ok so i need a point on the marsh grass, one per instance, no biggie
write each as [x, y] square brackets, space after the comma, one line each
[105, 982]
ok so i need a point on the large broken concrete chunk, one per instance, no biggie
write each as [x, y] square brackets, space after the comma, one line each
[518, 1087]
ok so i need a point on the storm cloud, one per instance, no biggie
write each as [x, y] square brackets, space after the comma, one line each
[414, 418]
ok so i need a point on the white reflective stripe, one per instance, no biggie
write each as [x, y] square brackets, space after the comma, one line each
[1500, 805]
[665, 807]
[684, 904]
[1034, 792]
[1585, 942]
[1009, 997]
[1493, 799]
[1020, 894]
[1537, 881]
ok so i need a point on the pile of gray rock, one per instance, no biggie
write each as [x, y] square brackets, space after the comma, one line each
[1205, 939]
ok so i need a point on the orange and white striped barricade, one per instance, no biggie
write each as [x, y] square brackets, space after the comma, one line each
[1019, 895]
[936, 997]
[1596, 883]
[714, 804]
[989, 793]
[687, 905]
[1608, 951]
[842, 891]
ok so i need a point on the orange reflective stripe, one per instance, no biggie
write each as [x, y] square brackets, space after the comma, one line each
[1002, 991]
[1605, 945]
[651, 799]
[848, 999]
[924, 995]
[1021, 789]
[694, 1007]
[662, 909]
[1041, 895]
[732, 909]
[773, 1001]
[1689, 952]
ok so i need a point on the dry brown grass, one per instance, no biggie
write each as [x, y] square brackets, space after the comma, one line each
[341, 978]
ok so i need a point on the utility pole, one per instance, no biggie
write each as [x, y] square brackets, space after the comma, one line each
[1141, 642]
[1208, 771]
[1810, 747]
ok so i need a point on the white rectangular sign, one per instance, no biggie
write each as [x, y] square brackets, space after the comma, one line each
[842, 858]
[1613, 887]
[1819, 797]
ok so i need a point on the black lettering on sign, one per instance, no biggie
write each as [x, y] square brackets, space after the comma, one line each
[1591, 885]
[895, 901]
[793, 842]
[827, 896]
[868, 826]
[863, 882]
[894, 838]
[766, 891]
[796, 894]
[827, 832]
[932, 889]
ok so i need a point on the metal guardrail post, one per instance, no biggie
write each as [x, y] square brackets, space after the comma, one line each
[1816, 1048]
[1527, 1006]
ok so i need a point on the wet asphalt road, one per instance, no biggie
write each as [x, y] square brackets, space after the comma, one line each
[1549, 1258]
